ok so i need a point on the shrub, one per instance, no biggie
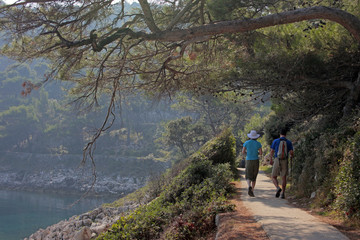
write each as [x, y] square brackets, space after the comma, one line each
[189, 201]
[347, 188]
[143, 223]
[221, 149]
[327, 160]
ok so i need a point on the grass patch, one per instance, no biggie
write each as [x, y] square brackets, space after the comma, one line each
[266, 169]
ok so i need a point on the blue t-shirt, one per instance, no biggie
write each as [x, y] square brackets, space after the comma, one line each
[275, 145]
[252, 149]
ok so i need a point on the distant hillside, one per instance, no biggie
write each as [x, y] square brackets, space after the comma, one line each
[63, 173]
[181, 204]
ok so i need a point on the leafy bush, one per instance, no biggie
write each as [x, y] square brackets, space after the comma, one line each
[274, 124]
[303, 171]
[189, 201]
[221, 149]
[347, 188]
[327, 161]
[143, 223]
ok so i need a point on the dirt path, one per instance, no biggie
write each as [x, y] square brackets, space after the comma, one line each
[259, 218]
[240, 224]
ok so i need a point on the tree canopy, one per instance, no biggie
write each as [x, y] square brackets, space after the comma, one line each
[203, 46]
[100, 46]
[303, 55]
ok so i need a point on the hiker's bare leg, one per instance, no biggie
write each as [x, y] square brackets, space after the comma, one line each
[283, 181]
[275, 181]
[250, 191]
[253, 184]
[248, 182]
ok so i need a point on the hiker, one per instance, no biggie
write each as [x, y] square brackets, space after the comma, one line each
[282, 147]
[252, 149]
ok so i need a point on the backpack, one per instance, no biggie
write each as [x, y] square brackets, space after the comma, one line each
[282, 152]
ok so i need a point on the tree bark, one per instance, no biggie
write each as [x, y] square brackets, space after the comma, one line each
[148, 16]
[353, 97]
[347, 20]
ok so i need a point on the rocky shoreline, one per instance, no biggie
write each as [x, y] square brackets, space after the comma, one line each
[70, 182]
[54, 173]
[82, 227]
[62, 174]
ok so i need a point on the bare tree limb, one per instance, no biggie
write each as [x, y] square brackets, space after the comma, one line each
[349, 21]
[148, 16]
[181, 14]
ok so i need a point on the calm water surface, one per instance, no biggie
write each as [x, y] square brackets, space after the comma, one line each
[23, 213]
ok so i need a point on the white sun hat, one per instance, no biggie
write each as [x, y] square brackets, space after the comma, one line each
[253, 134]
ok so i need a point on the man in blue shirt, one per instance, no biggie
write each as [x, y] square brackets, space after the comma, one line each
[280, 166]
[252, 149]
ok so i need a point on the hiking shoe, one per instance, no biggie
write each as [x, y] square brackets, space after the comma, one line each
[278, 192]
[250, 192]
[283, 195]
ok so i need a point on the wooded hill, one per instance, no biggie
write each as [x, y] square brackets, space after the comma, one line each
[303, 55]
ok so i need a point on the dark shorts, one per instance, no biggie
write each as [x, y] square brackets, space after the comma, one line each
[251, 169]
[280, 168]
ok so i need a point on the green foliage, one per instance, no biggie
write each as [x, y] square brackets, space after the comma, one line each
[301, 64]
[189, 201]
[214, 111]
[327, 161]
[43, 120]
[220, 9]
[257, 123]
[273, 126]
[303, 171]
[254, 123]
[183, 134]
[234, 9]
[143, 223]
[221, 149]
[309, 68]
[347, 181]
[17, 124]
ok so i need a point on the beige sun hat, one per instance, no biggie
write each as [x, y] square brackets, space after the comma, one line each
[253, 134]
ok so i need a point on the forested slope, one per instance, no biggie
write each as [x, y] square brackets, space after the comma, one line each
[180, 204]
[184, 202]
[219, 60]
[327, 165]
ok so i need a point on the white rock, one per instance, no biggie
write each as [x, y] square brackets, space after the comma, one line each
[313, 194]
[83, 234]
[100, 229]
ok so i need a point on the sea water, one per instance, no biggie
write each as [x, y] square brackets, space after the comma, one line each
[23, 213]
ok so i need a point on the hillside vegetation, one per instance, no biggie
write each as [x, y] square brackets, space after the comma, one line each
[327, 165]
[306, 68]
[325, 171]
[183, 202]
